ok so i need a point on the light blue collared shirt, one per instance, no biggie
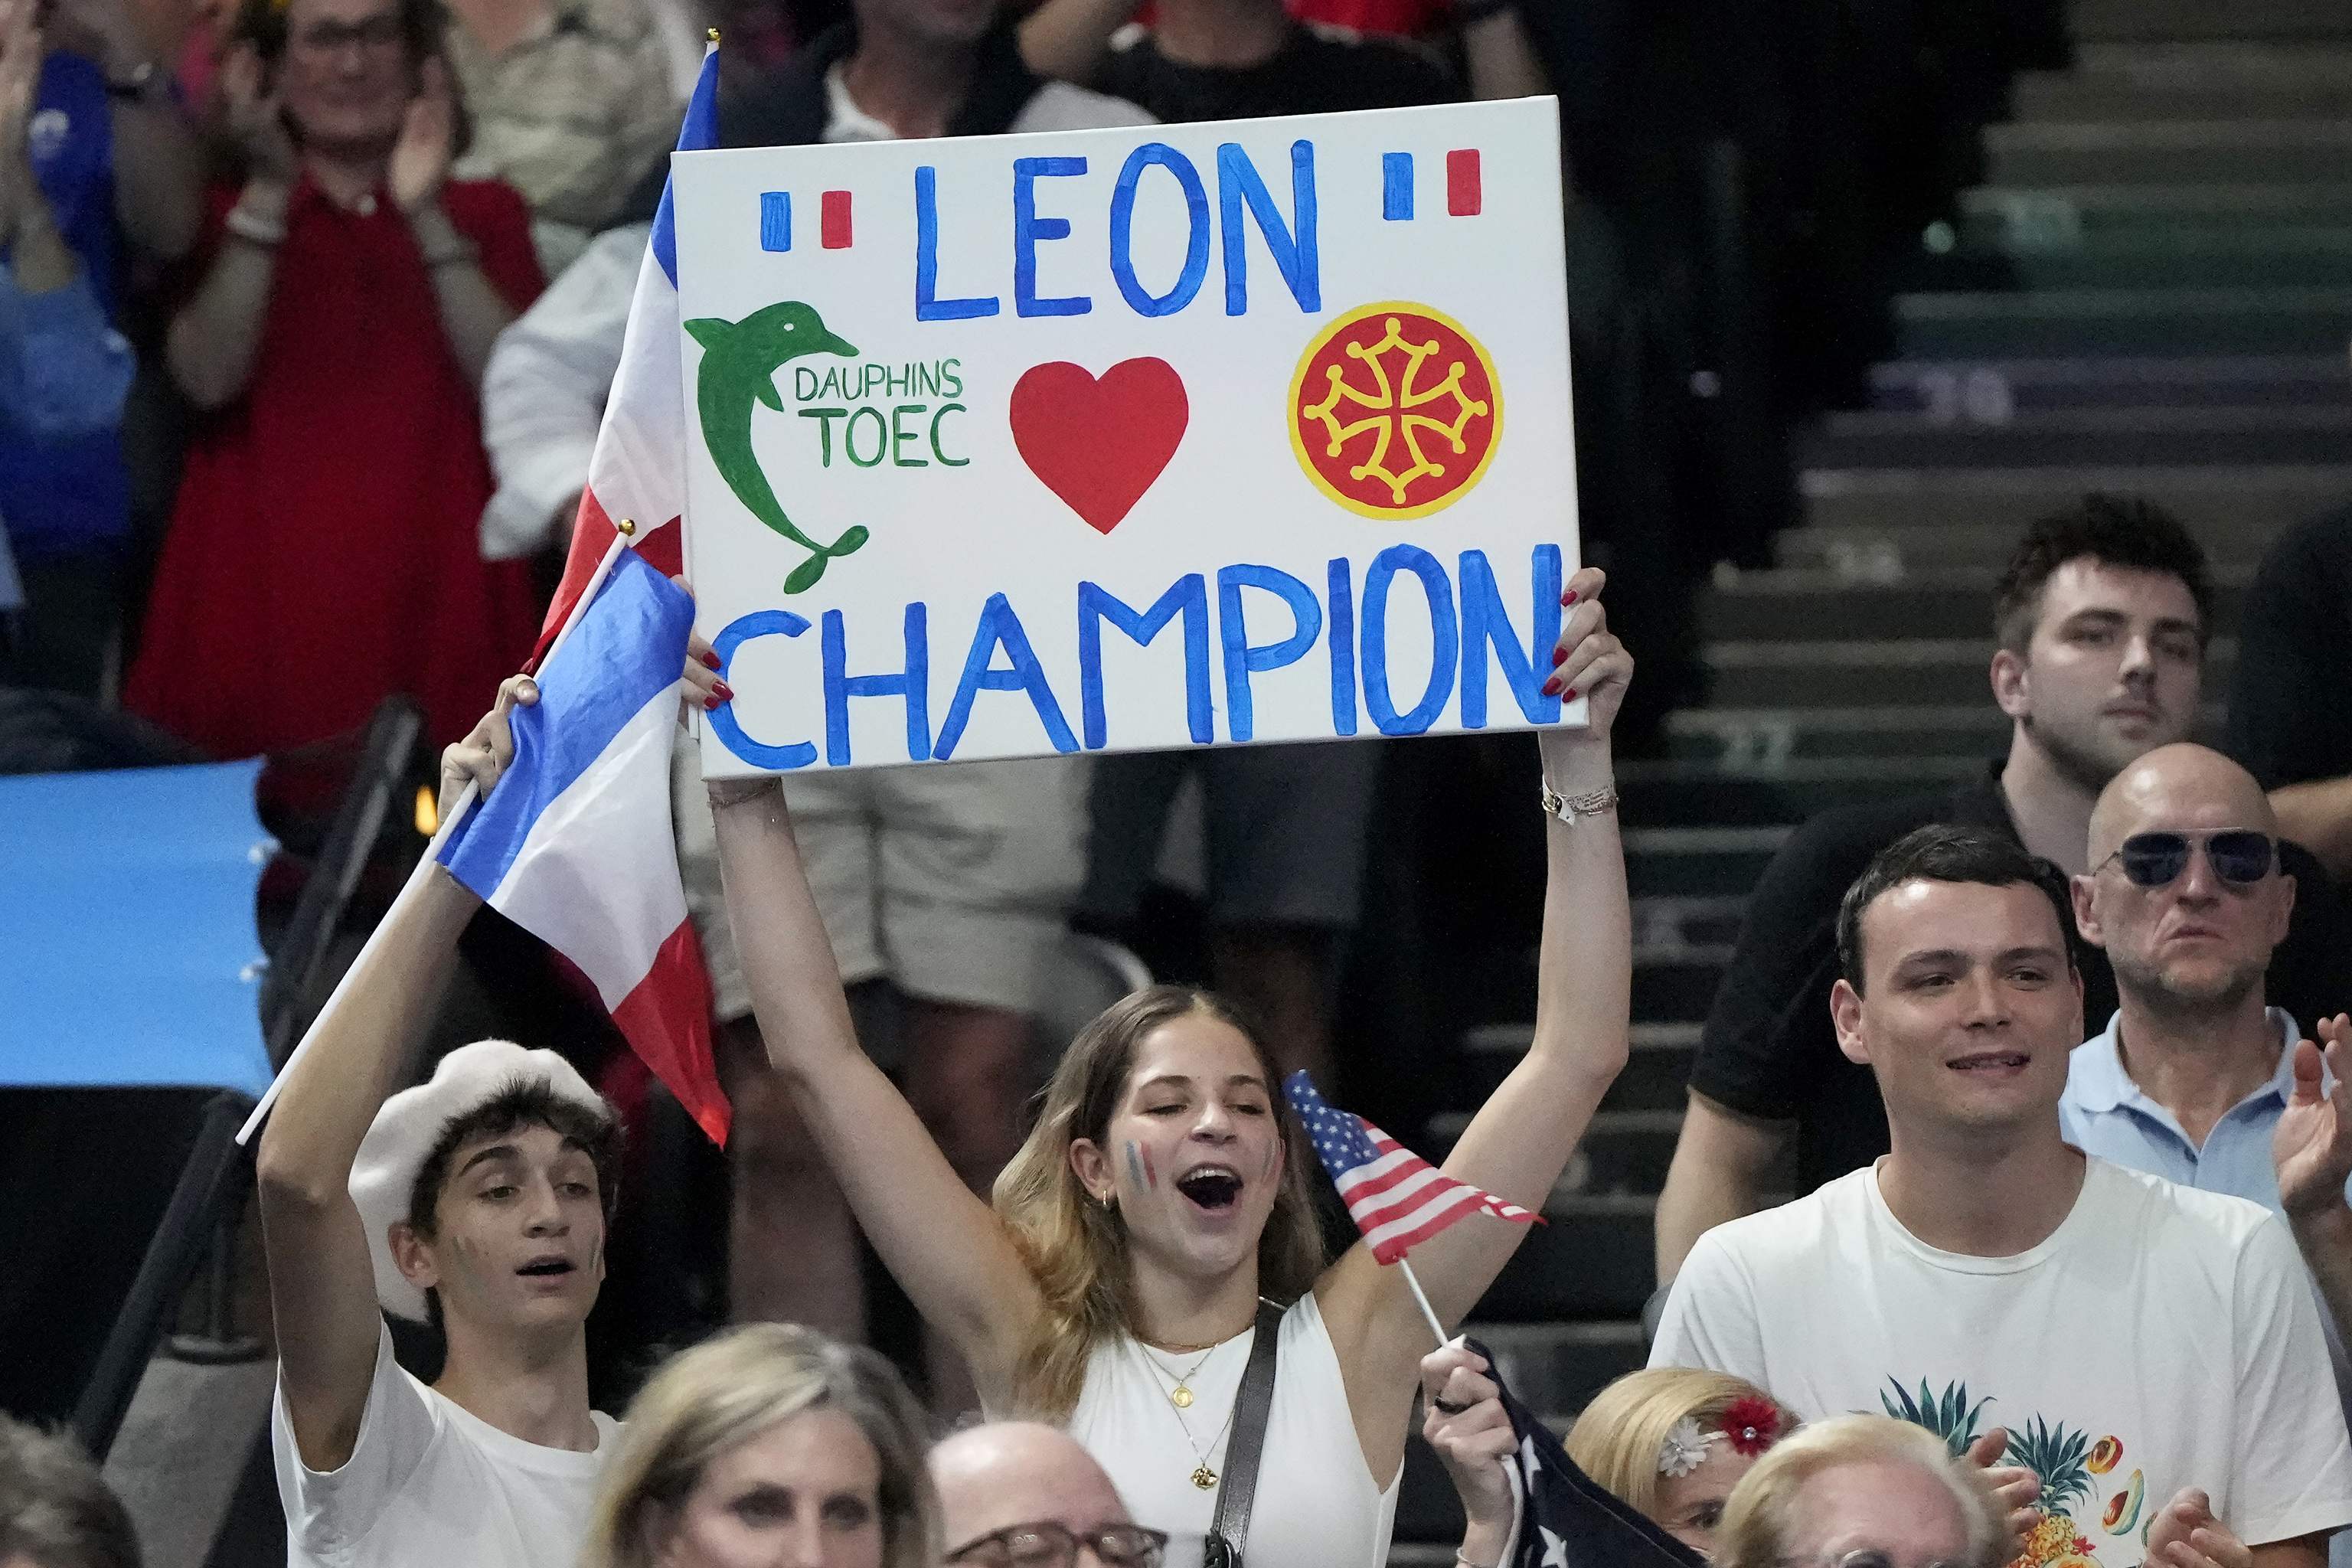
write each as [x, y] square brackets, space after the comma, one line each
[2104, 1112]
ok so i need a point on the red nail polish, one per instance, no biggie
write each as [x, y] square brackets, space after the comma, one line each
[710, 661]
[724, 692]
[1551, 687]
[1572, 597]
[1559, 657]
[1569, 694]
[710, 702]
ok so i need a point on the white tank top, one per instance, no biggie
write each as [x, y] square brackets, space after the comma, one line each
[1316, 1504]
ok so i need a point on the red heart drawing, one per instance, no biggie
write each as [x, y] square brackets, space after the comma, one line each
[1099, 444]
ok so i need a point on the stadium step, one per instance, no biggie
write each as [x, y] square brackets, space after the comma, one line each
[2169, 152]
[2155, 437]
[1756, 740]
[1996, 392]
[1687, 861]
[1878, 522]
[2024, 219]
[1929, 602]
[2195, 81]
[1591, 1261]
[2170, 321]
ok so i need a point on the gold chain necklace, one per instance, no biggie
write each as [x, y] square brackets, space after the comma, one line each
[1202, 1475]
[1181, 1396]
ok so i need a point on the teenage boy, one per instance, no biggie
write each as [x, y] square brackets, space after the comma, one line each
[2135, 1337]
[479, 1202]
[2103, 616]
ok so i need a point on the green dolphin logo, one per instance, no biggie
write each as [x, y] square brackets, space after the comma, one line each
[740, 360]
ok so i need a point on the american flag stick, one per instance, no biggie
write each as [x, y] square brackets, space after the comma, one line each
[1427, 1311]
[424, 863]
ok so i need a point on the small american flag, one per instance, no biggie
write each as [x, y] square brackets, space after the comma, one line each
[1396, 1197]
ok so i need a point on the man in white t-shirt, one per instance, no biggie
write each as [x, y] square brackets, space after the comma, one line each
[2136, 1339]
[477, 1201]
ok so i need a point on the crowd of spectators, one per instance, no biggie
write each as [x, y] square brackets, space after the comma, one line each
[2041, 1044]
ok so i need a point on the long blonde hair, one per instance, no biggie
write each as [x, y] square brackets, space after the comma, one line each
[1076, 1248]
[731, 1388]
[1755, 1528]
[1618, 1438]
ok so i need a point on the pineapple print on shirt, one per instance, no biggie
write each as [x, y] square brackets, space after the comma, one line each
[2080, 1529]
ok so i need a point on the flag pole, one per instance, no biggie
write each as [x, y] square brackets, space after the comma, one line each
[424, 868]
[1428, 1312]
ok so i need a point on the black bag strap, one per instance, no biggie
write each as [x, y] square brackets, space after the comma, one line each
[1237, 1487]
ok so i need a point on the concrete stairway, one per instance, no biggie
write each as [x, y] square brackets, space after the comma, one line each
[2152, 296]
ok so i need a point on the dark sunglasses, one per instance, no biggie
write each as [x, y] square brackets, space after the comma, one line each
[1047, 1544]
[2239, 857]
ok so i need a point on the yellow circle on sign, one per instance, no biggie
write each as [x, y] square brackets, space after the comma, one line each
[1395, 410]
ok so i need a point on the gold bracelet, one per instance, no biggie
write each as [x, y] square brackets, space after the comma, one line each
[1599, 803]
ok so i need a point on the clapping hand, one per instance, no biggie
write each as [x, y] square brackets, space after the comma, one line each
[428, 140]
[254, 121]
[2185, 1534]
[2312, 1144]
[2014, 1488]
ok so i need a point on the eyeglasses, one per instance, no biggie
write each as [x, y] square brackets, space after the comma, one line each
[375, 34]
[2238, 856]
[1045, 1545]
[1866, 1557]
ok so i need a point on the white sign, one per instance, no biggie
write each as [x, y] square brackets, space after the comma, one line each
[1168, 436]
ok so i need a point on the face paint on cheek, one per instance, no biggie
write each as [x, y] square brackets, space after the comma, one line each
[1139, 1169]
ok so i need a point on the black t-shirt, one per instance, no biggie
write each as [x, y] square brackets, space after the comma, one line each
[1768, 1049]
[1316, 71]
[2291, 700]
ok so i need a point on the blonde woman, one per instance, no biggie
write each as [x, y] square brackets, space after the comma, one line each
[1672, 1442]
[1863, 1490]
[1114, 1287]
[769, 1444]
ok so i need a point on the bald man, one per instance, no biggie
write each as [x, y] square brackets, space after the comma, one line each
[1010, 1489]
[2194, 1073]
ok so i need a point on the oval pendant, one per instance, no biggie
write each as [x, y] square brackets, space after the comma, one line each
[1204, 1477]
[1182, 1398]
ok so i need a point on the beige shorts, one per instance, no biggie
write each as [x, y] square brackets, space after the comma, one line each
[954, 882]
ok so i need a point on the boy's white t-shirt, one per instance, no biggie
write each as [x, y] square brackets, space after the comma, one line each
[429, 1485]
[2160, 1338]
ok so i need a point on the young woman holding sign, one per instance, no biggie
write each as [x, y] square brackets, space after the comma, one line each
[1116, 1285]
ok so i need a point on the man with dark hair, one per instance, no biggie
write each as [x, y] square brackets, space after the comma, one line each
[477, 1201]
[2129, 1333]
[56, 1510]
[2103, 616]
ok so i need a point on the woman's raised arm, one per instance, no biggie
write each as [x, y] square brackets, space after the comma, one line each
[1522, 1137]
[941, 1243]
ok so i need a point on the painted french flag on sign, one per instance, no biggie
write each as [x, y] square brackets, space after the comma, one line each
[638, 469]
[574, 844]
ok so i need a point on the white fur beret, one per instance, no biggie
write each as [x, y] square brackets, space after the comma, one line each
[402, 1135]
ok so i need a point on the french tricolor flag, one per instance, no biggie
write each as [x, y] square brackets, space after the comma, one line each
[574, 844]
[638, 469]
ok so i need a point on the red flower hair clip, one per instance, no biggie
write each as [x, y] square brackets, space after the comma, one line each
[1751, 1424]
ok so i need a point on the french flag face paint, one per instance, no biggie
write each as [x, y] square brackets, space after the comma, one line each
[1140, 1167]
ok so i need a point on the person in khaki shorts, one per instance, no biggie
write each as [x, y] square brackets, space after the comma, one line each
[950, 882]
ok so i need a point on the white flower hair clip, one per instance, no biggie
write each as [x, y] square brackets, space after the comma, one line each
[1684, 1448]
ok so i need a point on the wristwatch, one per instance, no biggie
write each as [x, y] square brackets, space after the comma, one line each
[143, 84]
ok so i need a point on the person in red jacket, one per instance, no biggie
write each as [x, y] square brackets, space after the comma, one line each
[322, 551]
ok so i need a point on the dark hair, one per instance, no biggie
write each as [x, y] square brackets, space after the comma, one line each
[524, 1102]
[2120, 530]
[262, 24]
[55, 1508]
[1951, 852]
